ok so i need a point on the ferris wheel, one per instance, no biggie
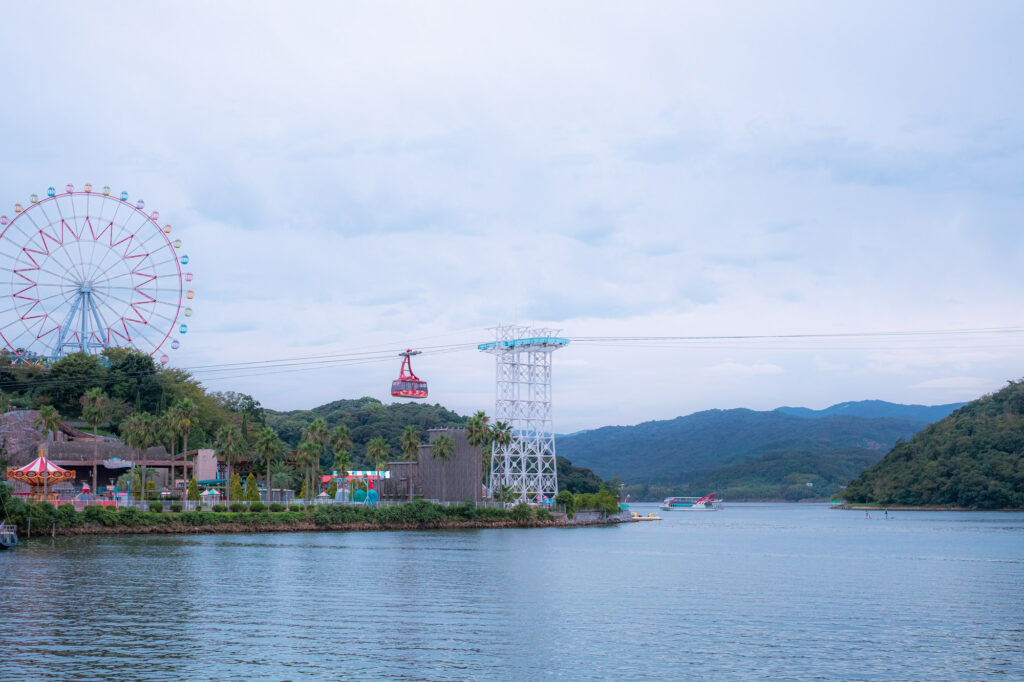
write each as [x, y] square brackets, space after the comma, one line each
[82, 271]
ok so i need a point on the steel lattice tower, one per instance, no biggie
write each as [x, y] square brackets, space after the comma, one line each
[523, 399]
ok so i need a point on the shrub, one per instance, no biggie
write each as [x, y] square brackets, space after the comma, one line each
[521, 513]
[156, 507]
[237, 507]
[66, 515]
[252, 490]
[277, 507]
[193, 490]
[257, 507]
[104, 516]
[544, 515]
[219, 508]
[176, 507]
[566, 499]
[295, 507]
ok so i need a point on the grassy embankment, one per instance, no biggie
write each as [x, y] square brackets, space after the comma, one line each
[95, 520]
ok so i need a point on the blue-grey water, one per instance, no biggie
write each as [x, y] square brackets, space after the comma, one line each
[779, 591]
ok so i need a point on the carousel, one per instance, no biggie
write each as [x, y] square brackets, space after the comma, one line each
[41, 475]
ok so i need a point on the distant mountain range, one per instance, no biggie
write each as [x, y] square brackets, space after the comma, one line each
[877, 408]
[757, 452]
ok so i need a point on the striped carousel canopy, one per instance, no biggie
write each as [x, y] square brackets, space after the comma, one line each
[40, 471]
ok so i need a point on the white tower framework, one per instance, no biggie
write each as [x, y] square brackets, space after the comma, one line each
[523, 399]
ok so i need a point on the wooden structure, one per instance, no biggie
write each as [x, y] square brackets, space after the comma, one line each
[456, 480]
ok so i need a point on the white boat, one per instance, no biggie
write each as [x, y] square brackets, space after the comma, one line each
[706, 503]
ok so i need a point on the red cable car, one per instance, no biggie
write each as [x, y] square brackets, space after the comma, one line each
[408, 385]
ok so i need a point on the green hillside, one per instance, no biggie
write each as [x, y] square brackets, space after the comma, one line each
[774, 476]
[675, 452]
[972, 458]
[367, 418]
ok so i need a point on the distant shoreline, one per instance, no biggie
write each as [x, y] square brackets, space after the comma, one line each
[905, 508]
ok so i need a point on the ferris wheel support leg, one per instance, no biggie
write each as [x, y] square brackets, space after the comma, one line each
[99, 324]
[59, 350]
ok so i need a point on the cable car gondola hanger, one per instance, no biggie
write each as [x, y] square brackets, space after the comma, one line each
[408, 385]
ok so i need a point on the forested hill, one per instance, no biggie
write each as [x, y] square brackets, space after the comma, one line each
[367, 418]
[674, 451]
[877, 408]
[972, 458]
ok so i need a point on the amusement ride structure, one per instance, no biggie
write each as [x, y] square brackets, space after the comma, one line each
[523, 399]
[81, 271]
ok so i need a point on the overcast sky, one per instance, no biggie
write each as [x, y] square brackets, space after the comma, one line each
[378, 175]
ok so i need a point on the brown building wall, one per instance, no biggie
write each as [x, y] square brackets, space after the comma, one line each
[457, 480]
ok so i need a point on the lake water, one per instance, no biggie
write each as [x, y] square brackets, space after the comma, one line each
[780, 591]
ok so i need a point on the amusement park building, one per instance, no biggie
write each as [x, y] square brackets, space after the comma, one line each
[456, 480]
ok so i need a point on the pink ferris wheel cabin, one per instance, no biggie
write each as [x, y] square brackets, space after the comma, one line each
[408, 385]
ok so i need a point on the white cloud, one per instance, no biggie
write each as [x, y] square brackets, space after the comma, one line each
[361, 175]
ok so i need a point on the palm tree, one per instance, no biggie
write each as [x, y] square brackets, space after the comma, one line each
[317, 434]
[186, 412]
[341, 439]
[378, 450]
[172, 429]
[410, 443]
[307, 456]
[341, 463]
[230, 447]
[443, 448]
[501, 435]
[139, 433]
[49, 420]
[478, 433]
[268, 445]
[95, 409]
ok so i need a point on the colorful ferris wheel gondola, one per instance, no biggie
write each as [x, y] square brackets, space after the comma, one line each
[408, 385]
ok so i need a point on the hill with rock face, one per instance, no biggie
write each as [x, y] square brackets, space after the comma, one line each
[972, 458]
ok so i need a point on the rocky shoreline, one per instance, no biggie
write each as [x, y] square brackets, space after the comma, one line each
[306, 526]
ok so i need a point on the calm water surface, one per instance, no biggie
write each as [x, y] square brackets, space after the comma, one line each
[780, 591]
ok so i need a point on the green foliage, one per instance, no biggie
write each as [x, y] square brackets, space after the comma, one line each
[237, 507]
[252, 491]
[236, 487]
[566, 499]
[604, 500]
[972, 458]
[775, 476]
[156, 507]
[193, 490]
[332, 489]
[543, 514]
[414, 514]
[576, 479]
[176, 507]
[522, 513]
[365, 419]
[443, 448]
[378, 451]
[296, 507]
